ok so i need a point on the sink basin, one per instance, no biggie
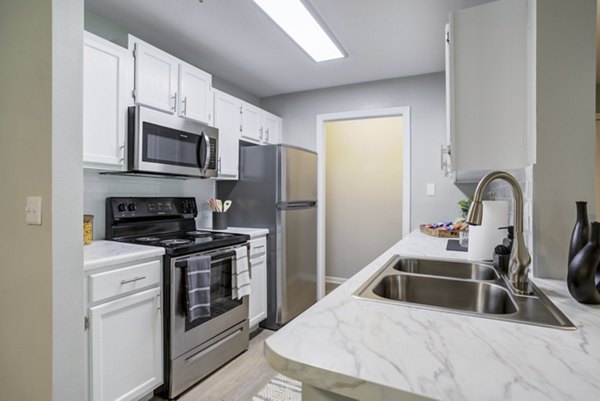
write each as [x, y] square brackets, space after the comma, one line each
[461, 295]
[474, 289]
[463, 270]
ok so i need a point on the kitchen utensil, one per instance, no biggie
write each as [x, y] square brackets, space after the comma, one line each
[219, 205]
[226, 205]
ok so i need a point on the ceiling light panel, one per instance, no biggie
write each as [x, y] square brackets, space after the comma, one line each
[295, 19]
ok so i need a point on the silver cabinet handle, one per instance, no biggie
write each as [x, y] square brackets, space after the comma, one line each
[174, 97]
[267, 135]
[133, 280]
[219, 165]
[445, 162]
[240, 127]
[261, 132]
[158, 301]
[184, 101]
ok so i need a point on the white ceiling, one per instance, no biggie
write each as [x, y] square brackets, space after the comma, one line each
[236, 41]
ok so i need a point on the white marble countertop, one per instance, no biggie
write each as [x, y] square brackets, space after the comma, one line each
[107, 253]
[374, 351]
[252, 232]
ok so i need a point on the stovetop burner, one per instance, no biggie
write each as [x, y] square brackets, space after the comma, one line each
[147, 239]
[175, 241]
[198, 233]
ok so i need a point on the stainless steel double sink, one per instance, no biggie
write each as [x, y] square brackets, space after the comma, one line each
[475, 289]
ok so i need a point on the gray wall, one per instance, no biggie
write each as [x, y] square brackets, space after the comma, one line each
[564, 171]
[425, 94]
[109, 30]
[41, 293]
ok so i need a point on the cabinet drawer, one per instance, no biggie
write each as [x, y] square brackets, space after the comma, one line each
[122, 281]
[258, 247]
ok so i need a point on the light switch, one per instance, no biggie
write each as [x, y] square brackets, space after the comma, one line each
[33, 210]
[431, 189]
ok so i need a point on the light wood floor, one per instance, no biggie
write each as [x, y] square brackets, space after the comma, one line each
[330, 287]
[239, 380]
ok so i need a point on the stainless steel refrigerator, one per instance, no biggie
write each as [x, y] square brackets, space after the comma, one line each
[277, 189]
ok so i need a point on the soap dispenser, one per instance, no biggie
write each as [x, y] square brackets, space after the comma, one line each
[502, 251]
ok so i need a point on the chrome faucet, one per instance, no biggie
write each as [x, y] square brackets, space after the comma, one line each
[520, 259]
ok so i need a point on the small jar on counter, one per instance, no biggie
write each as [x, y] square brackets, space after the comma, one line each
[88, 229]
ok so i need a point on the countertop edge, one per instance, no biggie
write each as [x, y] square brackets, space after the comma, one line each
[344, 385]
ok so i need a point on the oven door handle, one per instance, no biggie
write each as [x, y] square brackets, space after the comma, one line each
[214, 255]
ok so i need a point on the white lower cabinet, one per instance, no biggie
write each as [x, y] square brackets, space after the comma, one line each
[125, 337]
[258, 281]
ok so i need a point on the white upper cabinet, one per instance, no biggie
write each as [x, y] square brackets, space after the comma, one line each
[227, 118]
[168, 84]
[487, 88]
[271, 128]
[195, 94]
[155, 77]
[252, 119]
[107, 84]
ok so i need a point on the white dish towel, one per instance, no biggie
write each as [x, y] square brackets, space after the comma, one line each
[240, 285]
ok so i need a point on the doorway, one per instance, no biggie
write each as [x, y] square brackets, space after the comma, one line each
[364, 189]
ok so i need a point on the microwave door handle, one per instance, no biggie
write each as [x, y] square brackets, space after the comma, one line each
[203, 165]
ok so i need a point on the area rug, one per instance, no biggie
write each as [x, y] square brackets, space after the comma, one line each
[280, 388]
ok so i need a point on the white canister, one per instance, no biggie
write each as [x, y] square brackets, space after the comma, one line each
[484, 238]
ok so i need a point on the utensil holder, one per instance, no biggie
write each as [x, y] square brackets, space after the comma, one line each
[219, 221]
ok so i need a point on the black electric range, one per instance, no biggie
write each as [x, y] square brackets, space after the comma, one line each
[191, 349]
[167, 222]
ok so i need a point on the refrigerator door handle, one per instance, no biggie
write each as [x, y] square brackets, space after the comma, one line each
[296, 205]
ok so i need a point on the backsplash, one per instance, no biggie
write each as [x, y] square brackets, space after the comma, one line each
[97, 187]
[501, 190]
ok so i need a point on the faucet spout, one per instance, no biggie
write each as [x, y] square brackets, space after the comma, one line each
[520, 259]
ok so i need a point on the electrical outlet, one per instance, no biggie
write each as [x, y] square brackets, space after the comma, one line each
[33, 210]
[431, 189]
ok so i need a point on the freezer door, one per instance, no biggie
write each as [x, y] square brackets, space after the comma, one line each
[297, 175]
[296, 261]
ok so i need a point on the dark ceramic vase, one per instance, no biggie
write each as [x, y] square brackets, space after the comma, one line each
[581, 231]
[583, 278]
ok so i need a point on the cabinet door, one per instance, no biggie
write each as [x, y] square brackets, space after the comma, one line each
[107, 85]
[155, 78]
[252, 117]
[126, 347]
[228, 120]
[271, 128]
[488, 86]
[195, 94]
[258, 291]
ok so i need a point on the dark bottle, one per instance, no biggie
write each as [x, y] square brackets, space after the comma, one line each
[581, 231]
[583, 277]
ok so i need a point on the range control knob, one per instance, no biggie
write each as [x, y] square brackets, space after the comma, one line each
[121, 207]
[132, 207]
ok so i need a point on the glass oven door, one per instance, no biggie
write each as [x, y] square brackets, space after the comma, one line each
[225, 311]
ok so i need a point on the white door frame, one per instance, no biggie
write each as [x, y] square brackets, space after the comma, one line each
[356, 115]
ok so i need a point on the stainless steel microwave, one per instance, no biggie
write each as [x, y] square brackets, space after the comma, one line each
[164, 144]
